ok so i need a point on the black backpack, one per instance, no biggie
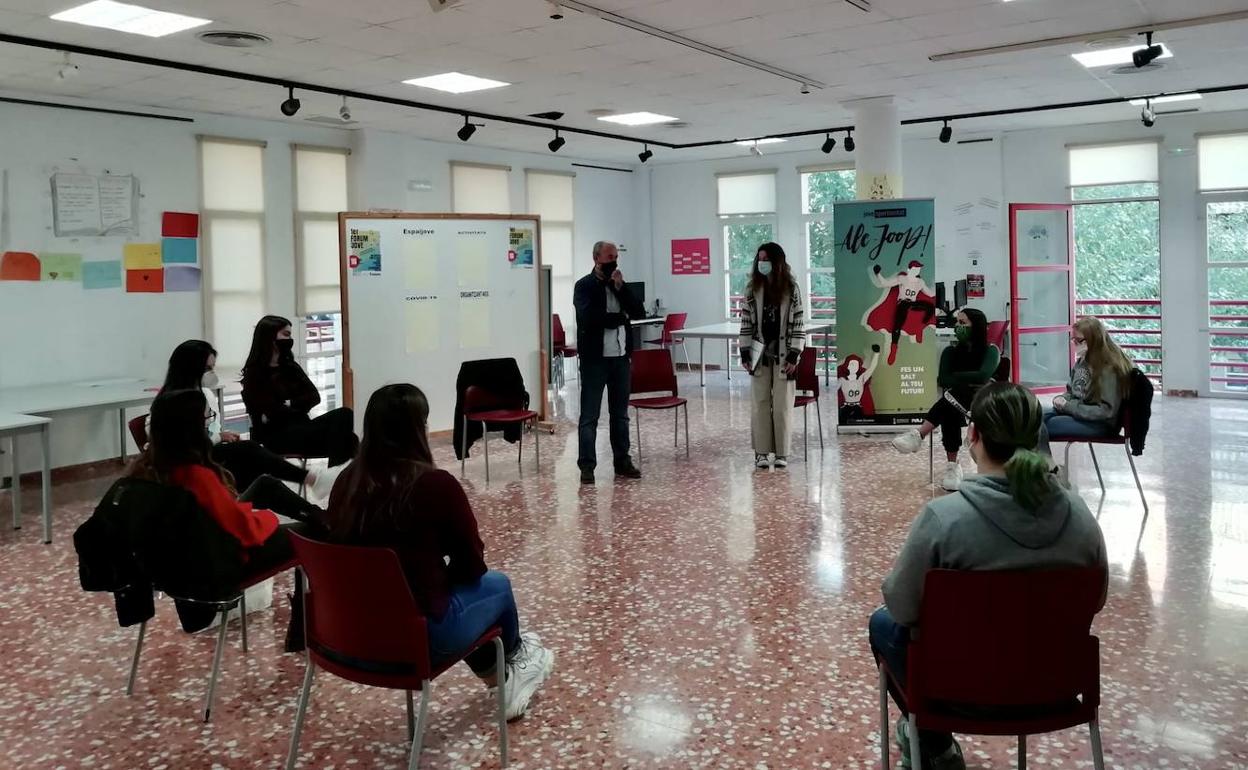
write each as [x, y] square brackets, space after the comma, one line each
[1140, 408]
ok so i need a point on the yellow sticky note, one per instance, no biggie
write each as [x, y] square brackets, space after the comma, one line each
[422, 325]
[142, 256]
[420, 262]
[472, 255]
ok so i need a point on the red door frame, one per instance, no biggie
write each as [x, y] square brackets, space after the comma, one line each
[1015, 269]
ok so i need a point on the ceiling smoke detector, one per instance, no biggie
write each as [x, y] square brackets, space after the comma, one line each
[233, 39]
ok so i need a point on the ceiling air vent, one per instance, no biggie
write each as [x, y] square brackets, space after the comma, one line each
[677, 124]
[231, 39]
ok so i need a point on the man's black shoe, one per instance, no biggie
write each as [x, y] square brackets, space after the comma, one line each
[627, 470]
[587, 475]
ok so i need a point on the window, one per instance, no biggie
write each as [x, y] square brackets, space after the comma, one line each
[747, 214]
[1118, 246]
[1224, 193]
[232, 225]
[823, 186]
[1223, 162]
[480, 189]
[320, 193]
[551, 196]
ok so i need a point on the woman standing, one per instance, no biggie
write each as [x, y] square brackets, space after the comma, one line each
[394, 496]
[964, 369]
[279, 396]
[1098, 384]
[773, 334]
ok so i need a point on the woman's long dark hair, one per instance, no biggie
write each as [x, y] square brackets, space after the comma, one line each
[778, 285]
[262, 341]
[178, 436]
[393, 454]
[187, 365]
[971, 352]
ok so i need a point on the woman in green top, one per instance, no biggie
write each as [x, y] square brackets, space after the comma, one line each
[964, 369]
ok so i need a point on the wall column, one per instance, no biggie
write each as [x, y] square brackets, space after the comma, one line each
[877, 157]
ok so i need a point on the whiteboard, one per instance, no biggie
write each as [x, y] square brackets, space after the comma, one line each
[422, 293]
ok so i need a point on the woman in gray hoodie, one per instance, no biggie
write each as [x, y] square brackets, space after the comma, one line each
[1012, 516]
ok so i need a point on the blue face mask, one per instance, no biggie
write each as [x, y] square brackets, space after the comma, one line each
[764, 268]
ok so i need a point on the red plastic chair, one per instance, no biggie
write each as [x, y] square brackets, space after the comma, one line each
[364, 625]
[1122, 439]
[1017, 642]
[652, 372]
[562, 350]
[996, 333]
[808, 394]
[480, 405]
[673, 322]
[138, 431]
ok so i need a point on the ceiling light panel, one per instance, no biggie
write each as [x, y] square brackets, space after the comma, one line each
[638, 119]
[752, 142]
[1112, 56]
[456, 83]
[134, 19]
[1165, 99]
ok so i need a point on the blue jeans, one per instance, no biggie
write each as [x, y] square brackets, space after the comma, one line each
[890, 641]
[474, 609]
[1062, 426]
[614, 374]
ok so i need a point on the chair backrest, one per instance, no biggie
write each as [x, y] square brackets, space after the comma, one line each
[807, 374]
[138, 430]
[673, 322]
[996, 333]
[481, 399]
[363, 623]
[652, 372]
[558, 334]
[996, 638]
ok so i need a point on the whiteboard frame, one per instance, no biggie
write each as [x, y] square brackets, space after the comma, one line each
[543, 355]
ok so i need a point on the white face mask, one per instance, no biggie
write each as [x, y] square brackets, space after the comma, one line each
[764, 268]
[209, 380]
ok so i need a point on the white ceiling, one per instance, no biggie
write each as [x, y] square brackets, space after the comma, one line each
[583, 63]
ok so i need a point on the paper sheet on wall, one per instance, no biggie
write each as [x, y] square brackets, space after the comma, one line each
[75, 204]
[116, 203]
[142, 256]
[64, 268]
[474, 319]
[421, 317]
[472, 255]
[104, 274]
[420, 263]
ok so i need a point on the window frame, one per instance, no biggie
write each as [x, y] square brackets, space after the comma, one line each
[560, 284]
[725, 221]
[1200, 188]
[809, 218]
[506, 170]
[301, 216]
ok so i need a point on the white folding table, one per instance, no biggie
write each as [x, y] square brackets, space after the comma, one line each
[13, 426]
[729, 331]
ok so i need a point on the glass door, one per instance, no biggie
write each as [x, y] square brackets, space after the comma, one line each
[1042, 294]
[1226, 265]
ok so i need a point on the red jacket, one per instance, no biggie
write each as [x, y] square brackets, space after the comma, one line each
[251, 526]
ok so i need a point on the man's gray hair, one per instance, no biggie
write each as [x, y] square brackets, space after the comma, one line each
[599, 246]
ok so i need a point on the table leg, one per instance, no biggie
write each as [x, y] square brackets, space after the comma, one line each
[45, 438]
[728, 358]
[17, 481]
[702, 361]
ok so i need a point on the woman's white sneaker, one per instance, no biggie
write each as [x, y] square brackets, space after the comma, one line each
[526, 672]
[952, 480]
[908, 442]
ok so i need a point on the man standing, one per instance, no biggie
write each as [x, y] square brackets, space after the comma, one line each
[604, 306]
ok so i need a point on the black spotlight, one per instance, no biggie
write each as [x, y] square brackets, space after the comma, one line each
[946, 133]
[466, 131]
[849, 141]
[645, 154]
[1143, 57]
[557, 143]
[1147, 116]
[291, 105]
[829, 144]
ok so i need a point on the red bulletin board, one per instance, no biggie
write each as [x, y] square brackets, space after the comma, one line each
[691, 256]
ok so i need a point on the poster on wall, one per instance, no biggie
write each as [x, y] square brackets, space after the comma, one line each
[975, 287]
[691, 256]
[520, 243]
[84, 204]
[886, 311]
[365, 253]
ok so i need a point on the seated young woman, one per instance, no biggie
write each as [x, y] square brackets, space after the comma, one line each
[394, 496]
[192, 365]
[278, 396]
[1099, 381]
[179, 452]
[964, 369]
[1012, 516]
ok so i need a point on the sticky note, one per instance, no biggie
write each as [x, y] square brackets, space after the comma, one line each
[101, 275]
[145, 281]
[179, 251]
[182, 278]
[423, 334]
[63, 268]
[420, 263]
[472, 256]
[178, 224]
[142, 256]
[474, 322]
[19, 266]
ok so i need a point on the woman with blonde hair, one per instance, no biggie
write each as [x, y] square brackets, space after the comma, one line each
[1099, 382]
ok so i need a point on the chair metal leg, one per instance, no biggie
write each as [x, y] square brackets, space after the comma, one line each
[421, 721]
[537, 446]
[303, 485]
[242, 616]
[1094, 730]
[819, 421]
[305, 695]
[675, 428]
[637, 420]
[686, 430]
[685, 349]
[411, 717]
[1136, 474]
[500, 665]
[216, 665]
[884, 737]
[520, 448]
[1022, 752]
[134, 660]
[916, 755]
[1097, 466]
[485, 446]
[805, 434]
[931, 457]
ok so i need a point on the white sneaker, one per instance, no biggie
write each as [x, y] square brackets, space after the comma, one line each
[525, 673]
[760, 461]
[782, 462]
[952, 480]
[908, 443]
[323, 483]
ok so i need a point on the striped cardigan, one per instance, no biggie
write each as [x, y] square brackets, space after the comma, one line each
[792, 324]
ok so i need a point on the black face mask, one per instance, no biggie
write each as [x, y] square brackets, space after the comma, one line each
[285, 346]
[609, 268]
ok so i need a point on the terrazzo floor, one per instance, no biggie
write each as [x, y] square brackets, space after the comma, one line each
[706, 616]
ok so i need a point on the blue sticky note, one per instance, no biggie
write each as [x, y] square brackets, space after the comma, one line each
[179, 251]
[101, 275]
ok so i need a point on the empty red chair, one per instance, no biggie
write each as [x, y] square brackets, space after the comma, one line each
[562, 350]
[480, 405]
[652, 372]
[807, 387]
[364, 625]
[673, 322]
[1013, 644]
[138, 431]
[996, 334]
